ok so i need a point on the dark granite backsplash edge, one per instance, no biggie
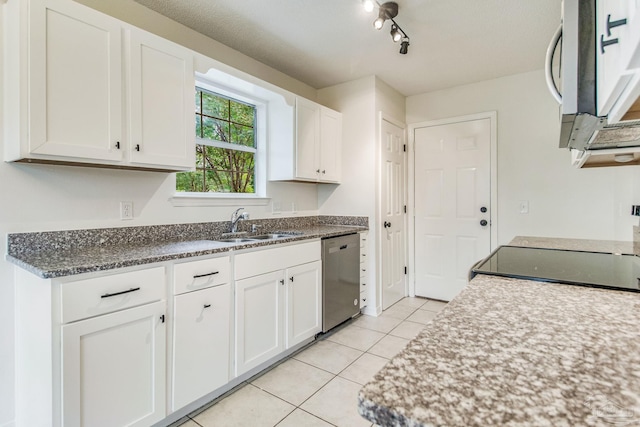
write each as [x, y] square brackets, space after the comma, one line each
[18, 243]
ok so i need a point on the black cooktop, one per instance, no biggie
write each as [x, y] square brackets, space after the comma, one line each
[596, 269]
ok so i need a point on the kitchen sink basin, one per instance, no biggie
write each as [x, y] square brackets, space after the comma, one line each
[236, 240]
[247, 239]
[271, 236]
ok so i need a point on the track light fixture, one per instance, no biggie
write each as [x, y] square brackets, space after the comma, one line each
[386, 12]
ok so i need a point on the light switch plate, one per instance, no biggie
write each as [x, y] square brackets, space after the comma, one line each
[524, 206]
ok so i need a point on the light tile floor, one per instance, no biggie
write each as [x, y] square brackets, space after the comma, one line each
[318, 385]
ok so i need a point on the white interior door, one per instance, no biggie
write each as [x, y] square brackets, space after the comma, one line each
[392, 218]
[452, 204]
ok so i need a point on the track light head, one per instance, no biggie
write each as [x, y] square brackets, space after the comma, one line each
[396, 34]
[388, 10]
[404, 46]
[368, 5]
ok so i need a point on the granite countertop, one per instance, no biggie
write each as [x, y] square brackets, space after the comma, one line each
[607, 246]
[51, 262]
[517, 352]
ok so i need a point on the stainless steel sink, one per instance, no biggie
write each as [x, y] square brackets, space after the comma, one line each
[247, 239]
[271, 236]
[236, 240]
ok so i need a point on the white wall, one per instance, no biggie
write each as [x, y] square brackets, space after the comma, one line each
[563, 201]
[36, 197]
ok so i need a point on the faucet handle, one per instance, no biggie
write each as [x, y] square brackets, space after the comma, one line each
[244, 215]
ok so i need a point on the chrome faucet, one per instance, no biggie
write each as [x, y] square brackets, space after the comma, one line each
[235, 217]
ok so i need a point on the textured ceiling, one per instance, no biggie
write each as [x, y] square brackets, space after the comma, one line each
[325, 42]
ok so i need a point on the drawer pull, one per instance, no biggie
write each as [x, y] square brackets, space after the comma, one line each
[207, 305]
[120, 293]
[197, 276]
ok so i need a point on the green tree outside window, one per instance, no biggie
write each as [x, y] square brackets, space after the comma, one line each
[225, 146]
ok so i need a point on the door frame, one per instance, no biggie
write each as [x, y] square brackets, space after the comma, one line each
[493, 176]
[382, 116]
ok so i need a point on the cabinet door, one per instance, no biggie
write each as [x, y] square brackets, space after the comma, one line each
[75, 82]
[201, 343]
[627, 107]
[162, 90]
[304, 305]
[113, 368]
[612, 74]
[307, 139]
[259, 320]
[330, 145]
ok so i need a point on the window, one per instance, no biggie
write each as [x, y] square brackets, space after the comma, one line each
[226, 147]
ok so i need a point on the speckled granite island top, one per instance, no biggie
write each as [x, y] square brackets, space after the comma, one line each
[519, 353]
[65, 253]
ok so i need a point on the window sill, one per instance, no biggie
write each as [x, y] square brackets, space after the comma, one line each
[195, 199]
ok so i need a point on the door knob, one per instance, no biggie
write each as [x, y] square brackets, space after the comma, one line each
[483, 209]
[484, 223]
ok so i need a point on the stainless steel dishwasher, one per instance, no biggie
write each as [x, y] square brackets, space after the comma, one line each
[340, 279]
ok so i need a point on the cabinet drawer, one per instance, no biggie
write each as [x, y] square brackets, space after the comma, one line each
[363, 284]
[363, 300]
[100, 295]
[264, 261]
[364, 237]
[194, 275]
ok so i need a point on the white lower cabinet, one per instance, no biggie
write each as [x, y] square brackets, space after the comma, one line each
[113, 368]
[94, 350]
[201, 343]
[259, 320]
[91, 351]
[304, 304]
[277, 301]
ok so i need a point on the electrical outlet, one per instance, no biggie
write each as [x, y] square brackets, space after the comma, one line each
[276, 208]
[126, 210]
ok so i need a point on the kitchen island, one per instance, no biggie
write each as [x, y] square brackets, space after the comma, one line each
[516, 352]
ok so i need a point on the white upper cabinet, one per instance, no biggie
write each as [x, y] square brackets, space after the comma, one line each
[330, 145]
[307, 140]
[618, 59]
[314, 154]
[75, 83]
[85, 85]
[161, 93]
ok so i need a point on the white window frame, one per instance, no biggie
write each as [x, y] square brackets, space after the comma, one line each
[259, 198]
